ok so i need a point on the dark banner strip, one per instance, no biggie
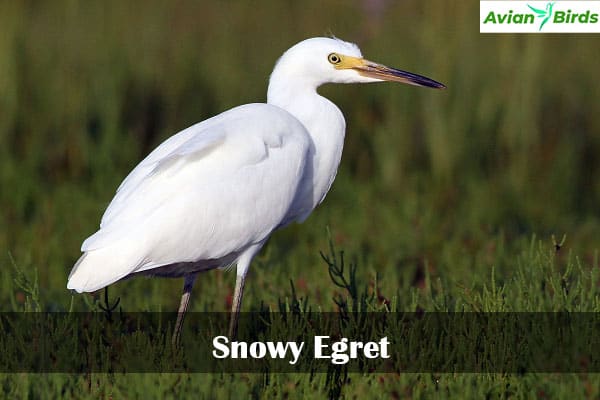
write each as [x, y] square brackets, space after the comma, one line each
[301, 342]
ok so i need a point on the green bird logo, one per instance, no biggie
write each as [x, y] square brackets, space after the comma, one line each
[545, 14]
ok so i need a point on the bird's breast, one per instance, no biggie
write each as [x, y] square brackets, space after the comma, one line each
[326, 127]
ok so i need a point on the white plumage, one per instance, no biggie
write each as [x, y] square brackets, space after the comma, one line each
[199, 196]
[212, 194]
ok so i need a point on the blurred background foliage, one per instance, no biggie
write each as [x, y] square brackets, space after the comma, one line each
[443, 181]
[439, 201]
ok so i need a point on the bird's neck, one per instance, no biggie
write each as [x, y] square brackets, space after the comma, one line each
[325, 124]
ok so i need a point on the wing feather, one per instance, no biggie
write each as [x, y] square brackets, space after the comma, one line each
[210, 190]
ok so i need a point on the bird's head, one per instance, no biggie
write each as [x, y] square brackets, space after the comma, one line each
[322, 60]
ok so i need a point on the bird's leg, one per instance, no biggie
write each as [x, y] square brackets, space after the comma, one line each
[236, 305]
[242, 269]
[188, 284]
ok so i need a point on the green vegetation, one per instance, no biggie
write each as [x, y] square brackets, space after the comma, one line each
[444, 200]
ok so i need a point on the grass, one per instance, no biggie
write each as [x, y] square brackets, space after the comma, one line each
[444, 200]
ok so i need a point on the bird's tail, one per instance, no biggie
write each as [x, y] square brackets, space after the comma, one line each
[98, 268]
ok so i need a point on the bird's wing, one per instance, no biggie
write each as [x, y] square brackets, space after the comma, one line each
[540, 13]
[209, 190]
[199, 137]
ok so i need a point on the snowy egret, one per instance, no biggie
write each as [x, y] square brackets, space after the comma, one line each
[211, 195]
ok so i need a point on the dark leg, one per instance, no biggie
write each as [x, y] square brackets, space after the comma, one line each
[236, 305]
[188, 284]
[242, 269]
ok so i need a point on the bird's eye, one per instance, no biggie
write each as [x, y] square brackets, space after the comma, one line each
[334, 58]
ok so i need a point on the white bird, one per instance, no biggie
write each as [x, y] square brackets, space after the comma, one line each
[211, 195]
